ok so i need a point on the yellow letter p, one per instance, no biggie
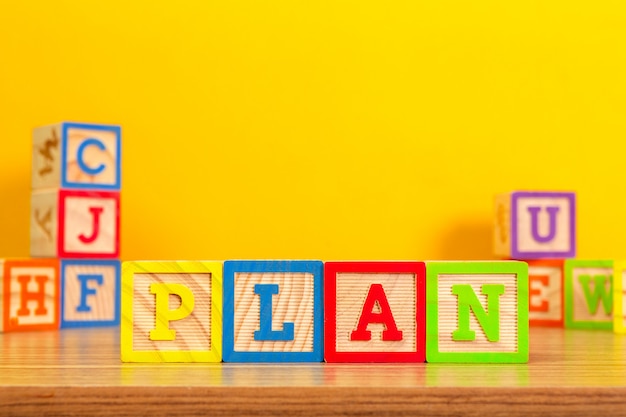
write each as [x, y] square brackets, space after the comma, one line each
[164, 315]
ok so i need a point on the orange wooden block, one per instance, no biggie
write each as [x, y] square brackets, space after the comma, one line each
[30, 294]
[545, 292]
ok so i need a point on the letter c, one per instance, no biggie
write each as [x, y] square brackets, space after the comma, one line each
[80, 156]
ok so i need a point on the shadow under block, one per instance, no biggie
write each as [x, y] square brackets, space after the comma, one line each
[90, 293]
[273, 311]
[588, 294]
[30, 294]
[535, 225]
[374, 311]
[171, 311]
[477, 312]
[619, 295]
[75, 224]
[545, 292]
[77, 156]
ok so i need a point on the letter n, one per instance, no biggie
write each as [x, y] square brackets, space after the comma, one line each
[489, 320]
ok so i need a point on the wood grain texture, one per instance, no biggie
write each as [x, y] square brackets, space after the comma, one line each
[586, 300]
[86, 155]
[461, 322]
[619, 297]
[375, 312]
[92, 156]
[502, 225]
[192, 332]
[46, 157]
[80, 212]
[308, 401]
[78, 372]
[352, 290]
[62, 224]
[561, 242]
[545, 303]
[103, 304]
[44, 223]
[581, 308]
[38, 293]
[293, 304]
[196, 292]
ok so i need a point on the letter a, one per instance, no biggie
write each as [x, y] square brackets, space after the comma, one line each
[376, 295]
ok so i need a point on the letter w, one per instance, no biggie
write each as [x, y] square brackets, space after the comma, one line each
[599, 292]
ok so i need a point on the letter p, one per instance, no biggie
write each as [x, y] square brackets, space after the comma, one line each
[164, 314]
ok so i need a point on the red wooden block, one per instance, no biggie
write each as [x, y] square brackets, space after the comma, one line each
[30, 294]
[374, 311]
[75, 224]
[545, 292]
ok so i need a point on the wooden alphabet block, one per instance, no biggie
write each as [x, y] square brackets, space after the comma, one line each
[545, 292]
[171, 311]
[375, 311]
[588, 294]
[77, 156]
[535, 225]
[273, 311]
[30, 294]
[619, 297]
[90, 293]
[477, 312]
[75, 224]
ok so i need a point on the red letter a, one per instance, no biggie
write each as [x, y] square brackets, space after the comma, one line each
[375, 295]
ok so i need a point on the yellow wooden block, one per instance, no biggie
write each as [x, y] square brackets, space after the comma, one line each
[619, 293]
[171, 311]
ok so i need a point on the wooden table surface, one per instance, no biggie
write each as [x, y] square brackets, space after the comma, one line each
[74, 372]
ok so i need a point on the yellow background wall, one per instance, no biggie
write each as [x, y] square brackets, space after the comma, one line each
[324, 129]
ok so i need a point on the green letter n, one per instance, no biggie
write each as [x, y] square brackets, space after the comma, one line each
[599, 292]
[489, 321]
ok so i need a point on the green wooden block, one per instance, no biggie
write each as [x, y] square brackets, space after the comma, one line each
[477, 312]
[588, 294]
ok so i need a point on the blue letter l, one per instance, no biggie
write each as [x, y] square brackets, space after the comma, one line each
[265, 292]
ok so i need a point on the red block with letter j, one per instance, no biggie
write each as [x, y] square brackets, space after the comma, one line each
[75, 224]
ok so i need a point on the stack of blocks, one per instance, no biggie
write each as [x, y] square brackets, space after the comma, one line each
[310, 311]
[73, 279]
[540, 228]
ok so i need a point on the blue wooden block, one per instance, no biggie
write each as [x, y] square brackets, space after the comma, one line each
[273, 311]
[77, 156]
[90, 293]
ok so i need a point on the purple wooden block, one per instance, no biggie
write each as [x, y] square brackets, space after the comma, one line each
[543, 225]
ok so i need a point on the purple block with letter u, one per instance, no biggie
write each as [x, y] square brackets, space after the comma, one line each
[535, 225]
